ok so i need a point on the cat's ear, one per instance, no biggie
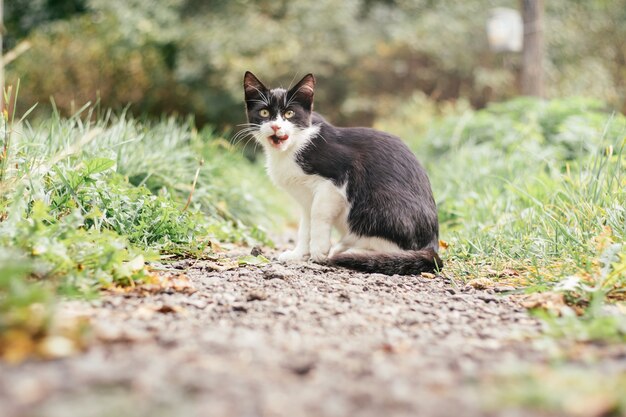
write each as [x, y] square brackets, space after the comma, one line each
[304, 91]
[252, 86]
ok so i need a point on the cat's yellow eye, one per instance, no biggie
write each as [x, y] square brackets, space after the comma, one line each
[289, 114]
[264, 113]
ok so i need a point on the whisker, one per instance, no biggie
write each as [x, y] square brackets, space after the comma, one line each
[292, 80]
[257, 101]
[247, 131]
[241, 137]
[321, 136]
[245, 145]
[263, 96]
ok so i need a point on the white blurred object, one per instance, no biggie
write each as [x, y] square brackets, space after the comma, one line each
[505, 30]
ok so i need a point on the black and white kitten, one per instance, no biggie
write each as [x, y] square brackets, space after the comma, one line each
[365, 183]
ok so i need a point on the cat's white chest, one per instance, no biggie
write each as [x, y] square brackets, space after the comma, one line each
[288, 175]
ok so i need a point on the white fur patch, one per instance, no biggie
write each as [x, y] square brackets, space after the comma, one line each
[358, 244]
[323, 204]
[297, 137]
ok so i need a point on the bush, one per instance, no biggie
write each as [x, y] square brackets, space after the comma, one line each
[529, 183]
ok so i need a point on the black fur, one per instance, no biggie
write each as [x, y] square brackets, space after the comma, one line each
[406, 263]
[388, 190]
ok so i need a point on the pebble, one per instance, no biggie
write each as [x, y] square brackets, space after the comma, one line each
[278, 272]
[288, 340]
[256, 296]
[487, 298]
[504, 288]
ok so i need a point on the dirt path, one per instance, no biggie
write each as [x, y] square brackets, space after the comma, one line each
[302, 340]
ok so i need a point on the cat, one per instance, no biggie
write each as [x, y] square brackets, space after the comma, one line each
[365, 183]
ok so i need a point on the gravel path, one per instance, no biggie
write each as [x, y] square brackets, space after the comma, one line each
[299, 340]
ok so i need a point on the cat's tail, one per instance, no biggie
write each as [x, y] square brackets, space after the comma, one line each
[403, 263]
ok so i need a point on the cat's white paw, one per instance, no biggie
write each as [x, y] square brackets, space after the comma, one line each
[319, 257]
[293, 256]
[337, 249]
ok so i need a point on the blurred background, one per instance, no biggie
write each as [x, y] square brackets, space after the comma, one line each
[370, 56]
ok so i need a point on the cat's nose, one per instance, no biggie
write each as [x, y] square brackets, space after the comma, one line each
[275, 127]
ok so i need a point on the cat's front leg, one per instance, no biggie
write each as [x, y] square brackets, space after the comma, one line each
[328, 203]
[301, 251]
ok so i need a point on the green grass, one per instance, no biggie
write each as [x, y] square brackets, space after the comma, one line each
[538, 187]
[86, 200]
[533, 187]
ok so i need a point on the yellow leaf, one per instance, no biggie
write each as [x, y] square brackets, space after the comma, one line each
[481, 283]
[16, 345]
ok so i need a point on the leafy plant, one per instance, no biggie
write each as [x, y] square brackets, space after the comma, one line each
[531, 186]
[85, 202]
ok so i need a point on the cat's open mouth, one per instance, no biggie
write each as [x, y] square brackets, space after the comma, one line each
[277, 139]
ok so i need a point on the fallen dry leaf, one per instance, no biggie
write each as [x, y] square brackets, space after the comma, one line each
[178, 283]
[16, 345]
[161, 282]
[508, 272]
[64, 334]
[480, 283]
[550, 301]
[221, 265]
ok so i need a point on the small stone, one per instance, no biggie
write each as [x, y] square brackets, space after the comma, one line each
[256, 296]
[57, 347]
[278, 272]
[168, 309]
[200, 305]
[302, 368]
[459, 297]
[240, 308]
[504, 288]
[488, 298]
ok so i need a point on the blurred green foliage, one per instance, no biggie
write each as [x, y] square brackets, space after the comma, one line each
[514, 169]
[23, 16]
[534, 187]
[85, 201]
[188, 56]
[89, 201]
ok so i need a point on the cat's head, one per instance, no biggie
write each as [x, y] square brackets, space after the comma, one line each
[279, 118]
